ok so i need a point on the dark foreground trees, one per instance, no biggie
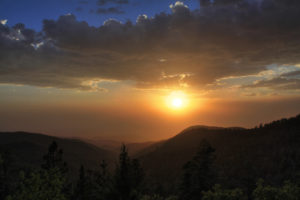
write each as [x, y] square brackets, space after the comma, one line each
[93, 184]
[3, 176]
[128, 178]
[127, 181]
[48, 182]
[40, 185]
[199, 173]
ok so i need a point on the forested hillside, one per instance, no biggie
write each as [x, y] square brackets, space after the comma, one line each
[270, 151]
[25, 150]
[200, 163]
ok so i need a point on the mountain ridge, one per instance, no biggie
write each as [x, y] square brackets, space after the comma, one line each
[28, 149]
[261, 151]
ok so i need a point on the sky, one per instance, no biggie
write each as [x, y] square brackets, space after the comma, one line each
[141, 70]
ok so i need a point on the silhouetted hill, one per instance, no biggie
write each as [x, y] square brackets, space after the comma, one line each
[271, 151]
[114, 146]
[27, 150]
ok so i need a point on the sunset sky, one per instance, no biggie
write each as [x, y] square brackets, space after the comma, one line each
[140, 70]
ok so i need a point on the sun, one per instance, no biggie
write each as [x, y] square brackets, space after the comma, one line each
[176, 100]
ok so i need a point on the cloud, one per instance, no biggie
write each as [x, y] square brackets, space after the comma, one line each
[292, 74]
[110, 10]
[283, 81]
[213, 42]
[104, 2]
[3, 21]
[279, 83]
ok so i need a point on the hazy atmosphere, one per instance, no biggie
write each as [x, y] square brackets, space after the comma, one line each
[149, 99]
[145, 70]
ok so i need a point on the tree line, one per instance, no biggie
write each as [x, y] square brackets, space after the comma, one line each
[128, 181]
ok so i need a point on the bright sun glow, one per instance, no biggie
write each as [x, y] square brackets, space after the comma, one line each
[177, 100]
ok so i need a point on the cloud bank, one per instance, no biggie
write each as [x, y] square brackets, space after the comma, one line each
[181, 48]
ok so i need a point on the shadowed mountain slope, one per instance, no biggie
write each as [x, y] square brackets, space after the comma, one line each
[27, 150]
[271, 151]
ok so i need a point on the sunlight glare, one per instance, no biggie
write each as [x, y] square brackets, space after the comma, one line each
[176, 100]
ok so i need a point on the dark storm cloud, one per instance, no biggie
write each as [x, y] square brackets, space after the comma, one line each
[194, 47]
[110, 10]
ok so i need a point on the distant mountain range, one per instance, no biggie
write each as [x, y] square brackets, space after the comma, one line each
[114, 146]
[271, 151]
[27, 150]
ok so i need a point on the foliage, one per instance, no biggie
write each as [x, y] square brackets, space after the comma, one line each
[217, 193]
[199, 174]
[128, 179]
[158, 197]
[4, 175]
[42, 185]
[172, 198]
[53, 159]
[288, 191]
[93, 185]
[152, 197]
[277, 142]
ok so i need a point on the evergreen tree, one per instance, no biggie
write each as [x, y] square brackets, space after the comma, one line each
[199, 174]
[128, 177]
[137, 174]
[93, 185]
[103, 182]
[53, 158]
[81, 192]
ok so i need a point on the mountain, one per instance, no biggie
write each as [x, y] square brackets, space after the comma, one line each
[27, 150]
[114, 146]
[271, 151]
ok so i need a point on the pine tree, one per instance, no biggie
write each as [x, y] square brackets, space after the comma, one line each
[128, 177]
[199, 174]
[54, 163]
[53, 159]
[103, 182]
[81, 188]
